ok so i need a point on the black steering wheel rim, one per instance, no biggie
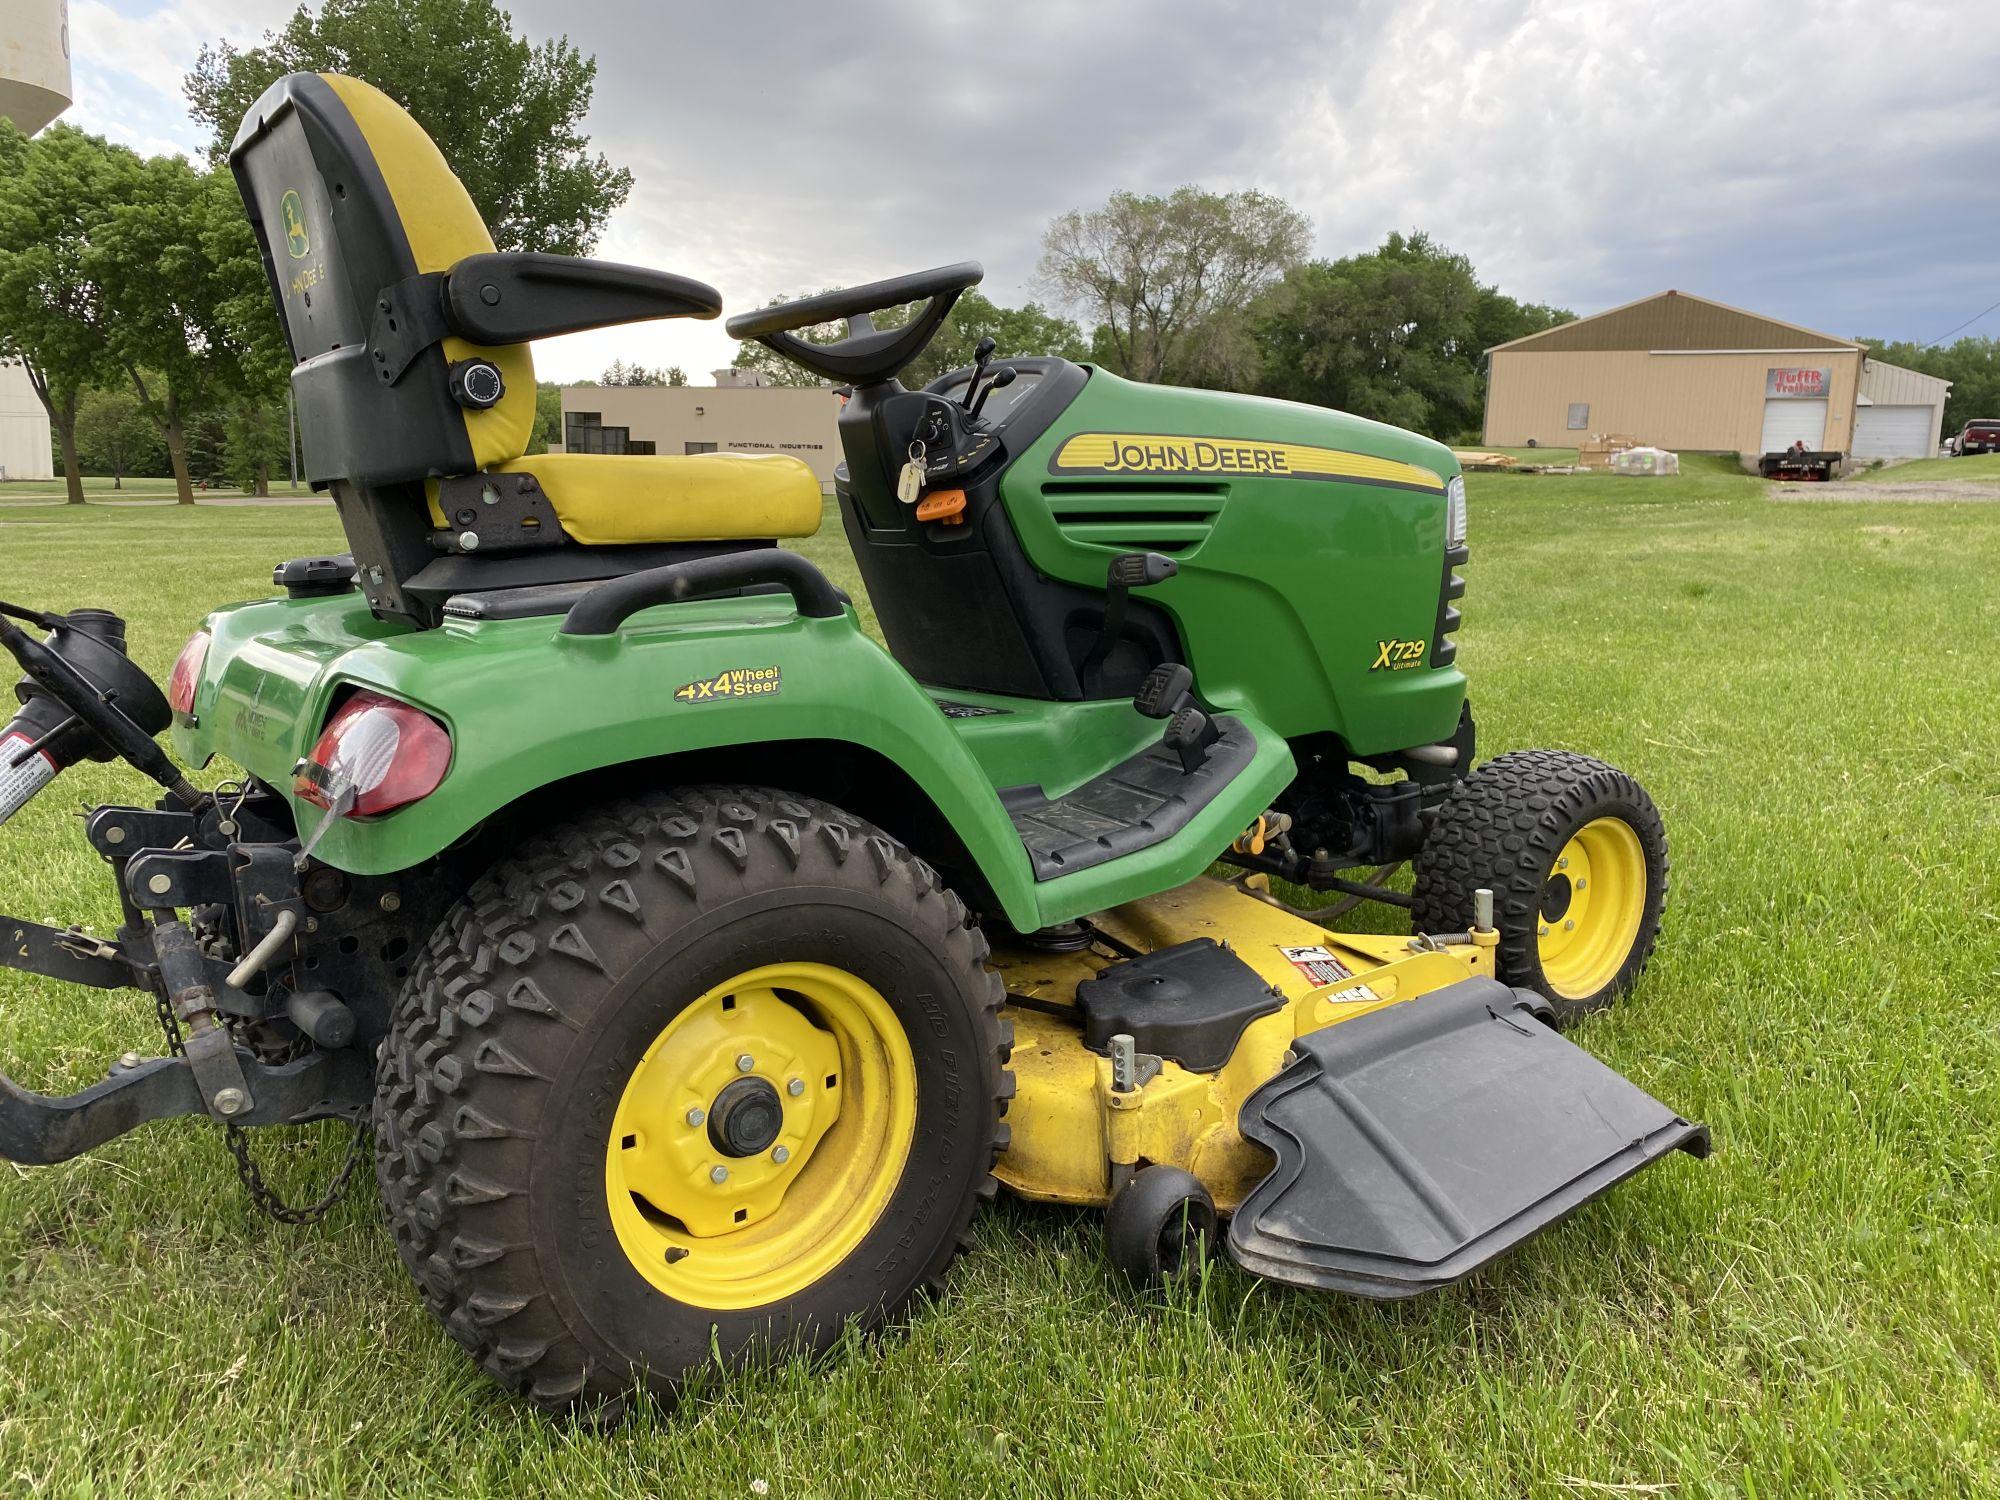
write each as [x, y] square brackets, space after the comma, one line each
[868, 355]
[856, 301]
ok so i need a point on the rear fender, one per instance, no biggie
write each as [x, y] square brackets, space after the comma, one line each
[528, 708]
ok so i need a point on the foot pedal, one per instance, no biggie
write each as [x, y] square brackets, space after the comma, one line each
[1160, 695]
[1189, 736]
[1417, 1142]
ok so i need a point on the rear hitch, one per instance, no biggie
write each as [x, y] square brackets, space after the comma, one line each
[42, 1129]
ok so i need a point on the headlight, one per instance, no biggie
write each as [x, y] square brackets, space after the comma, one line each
[1454, 512]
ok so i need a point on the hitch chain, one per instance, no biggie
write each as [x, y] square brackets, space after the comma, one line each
[237, 1139]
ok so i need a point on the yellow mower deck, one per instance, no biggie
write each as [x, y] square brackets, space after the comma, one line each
[1070, 1129]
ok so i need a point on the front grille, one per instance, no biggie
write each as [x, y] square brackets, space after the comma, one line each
[1443, 647]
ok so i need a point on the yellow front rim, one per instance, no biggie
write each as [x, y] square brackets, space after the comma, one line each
[819, 1055]
[1593, 901]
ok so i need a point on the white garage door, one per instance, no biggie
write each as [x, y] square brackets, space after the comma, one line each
[1788, 422]
[1894, 431]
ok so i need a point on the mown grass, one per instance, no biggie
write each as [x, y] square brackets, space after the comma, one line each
[1805, 689]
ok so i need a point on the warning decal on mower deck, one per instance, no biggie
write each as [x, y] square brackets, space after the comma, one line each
[737, 682]
[1321, 967]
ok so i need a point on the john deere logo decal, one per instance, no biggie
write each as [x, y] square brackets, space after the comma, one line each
[1164, 453]
[1394, 656]
[737, 682]
[293, 211]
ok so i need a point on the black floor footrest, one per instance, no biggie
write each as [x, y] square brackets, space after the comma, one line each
[1136, 804]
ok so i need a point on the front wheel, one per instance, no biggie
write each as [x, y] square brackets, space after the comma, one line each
[710, 1073]
[1575, 854]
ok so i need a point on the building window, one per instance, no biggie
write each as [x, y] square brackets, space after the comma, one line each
[585, 432]
[636, 445]
[1579, 415]
[698, 447]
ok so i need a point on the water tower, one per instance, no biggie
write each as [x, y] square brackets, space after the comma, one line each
[34, 62]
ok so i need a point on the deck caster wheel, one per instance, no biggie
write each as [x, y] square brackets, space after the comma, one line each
[1160, 1223]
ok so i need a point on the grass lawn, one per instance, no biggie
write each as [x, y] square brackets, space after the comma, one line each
[1807, 692]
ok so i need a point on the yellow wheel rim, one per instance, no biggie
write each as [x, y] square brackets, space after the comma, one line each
[1593, 901]
[809, 1065]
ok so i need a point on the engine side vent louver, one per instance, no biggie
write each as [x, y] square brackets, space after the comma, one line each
[1142, 516]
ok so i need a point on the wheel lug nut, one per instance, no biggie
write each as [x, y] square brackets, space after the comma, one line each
[696, 1115]
[718, 1175]
[745, 1062]
[1563, 863]
[781, 1154]
[796, 1087]
[1570, 925]
[1582, 881]
[1543, 930]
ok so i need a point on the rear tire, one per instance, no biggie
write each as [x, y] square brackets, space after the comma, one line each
[1575, 854]
[567, 1068]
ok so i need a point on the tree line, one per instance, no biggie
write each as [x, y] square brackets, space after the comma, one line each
[131, 288]
[1219, 290]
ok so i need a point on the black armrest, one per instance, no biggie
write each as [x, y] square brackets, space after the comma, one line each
[512, 298]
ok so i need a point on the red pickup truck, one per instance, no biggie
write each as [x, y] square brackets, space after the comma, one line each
[1981, 435]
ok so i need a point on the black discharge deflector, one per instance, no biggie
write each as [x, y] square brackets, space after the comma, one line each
[1418, 1142]
[1188, 1003]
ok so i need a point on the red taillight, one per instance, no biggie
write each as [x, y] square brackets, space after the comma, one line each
[389, 753]
[186, 676]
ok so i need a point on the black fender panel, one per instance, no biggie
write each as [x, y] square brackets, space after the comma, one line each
[1416, 1143]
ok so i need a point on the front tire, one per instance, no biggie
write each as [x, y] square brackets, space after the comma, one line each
[1575, 854]
[719, 1070]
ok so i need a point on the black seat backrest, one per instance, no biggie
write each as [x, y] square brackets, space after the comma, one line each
[350, 199]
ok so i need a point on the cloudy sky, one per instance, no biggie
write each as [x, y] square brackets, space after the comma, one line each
[1836, 164]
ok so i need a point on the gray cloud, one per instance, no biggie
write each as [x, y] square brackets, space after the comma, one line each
[1828, 163]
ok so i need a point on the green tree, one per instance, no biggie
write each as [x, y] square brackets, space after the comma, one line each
[1398, 334]
[55, 193]
[115, 436]
[164, 295]
[620, 373]
[255, 443]
[1025, 330]
[1166, 281]
[548, 416]
[507, 113]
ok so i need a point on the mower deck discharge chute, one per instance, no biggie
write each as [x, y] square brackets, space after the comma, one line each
[700, 965]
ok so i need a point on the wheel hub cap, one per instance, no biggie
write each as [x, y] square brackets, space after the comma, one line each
[745, 1118]
[731, 1187]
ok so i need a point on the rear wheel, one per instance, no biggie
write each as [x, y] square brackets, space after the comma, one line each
[1575, 854]
[716, 1071]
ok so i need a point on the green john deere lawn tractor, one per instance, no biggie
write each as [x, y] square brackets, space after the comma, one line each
[699, 964]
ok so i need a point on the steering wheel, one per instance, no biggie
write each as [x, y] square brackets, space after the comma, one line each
[868, 355]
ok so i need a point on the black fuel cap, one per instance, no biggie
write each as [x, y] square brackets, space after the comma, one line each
[476, 383]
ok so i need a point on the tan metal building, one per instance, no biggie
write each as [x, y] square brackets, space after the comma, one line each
[24, 428]
[733, 417]
[1681, 372]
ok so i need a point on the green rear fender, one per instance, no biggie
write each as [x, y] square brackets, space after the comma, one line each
[528, 707]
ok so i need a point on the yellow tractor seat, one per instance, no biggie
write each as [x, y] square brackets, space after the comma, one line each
[609, 499]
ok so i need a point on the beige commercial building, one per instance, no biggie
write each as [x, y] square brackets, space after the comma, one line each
[1680, 372]
[24, 428]
[735, 416]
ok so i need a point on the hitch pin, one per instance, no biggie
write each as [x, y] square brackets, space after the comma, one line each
[257, 958]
